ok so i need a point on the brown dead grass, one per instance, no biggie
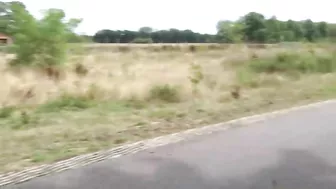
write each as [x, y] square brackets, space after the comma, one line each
[120, 75]
[117, 109]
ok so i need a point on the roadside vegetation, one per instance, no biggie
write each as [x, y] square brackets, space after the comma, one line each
[59, 100]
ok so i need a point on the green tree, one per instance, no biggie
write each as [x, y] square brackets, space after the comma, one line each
[146, 29]
[310, 31]
[230, 32]
[254, 27]
[288, 35]
[322, 28]
[332, 32]
[40, 42]
[6, 14]
[273, 30]
[4, 17]
[23, 27]
[296, 28]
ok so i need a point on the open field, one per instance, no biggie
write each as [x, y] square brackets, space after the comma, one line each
[103, 98]
[158, 47]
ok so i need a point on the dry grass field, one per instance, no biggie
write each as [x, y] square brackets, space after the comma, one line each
[111, 95]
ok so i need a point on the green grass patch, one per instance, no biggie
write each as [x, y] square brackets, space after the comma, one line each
[6, 112]
[67, 102]
[289, 62]
[24, 119]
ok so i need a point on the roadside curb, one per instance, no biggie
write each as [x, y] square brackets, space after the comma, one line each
[82, 160]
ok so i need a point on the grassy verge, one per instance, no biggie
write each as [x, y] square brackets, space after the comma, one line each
[152, 95]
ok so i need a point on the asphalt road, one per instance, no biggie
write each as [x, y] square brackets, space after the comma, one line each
[293, 151]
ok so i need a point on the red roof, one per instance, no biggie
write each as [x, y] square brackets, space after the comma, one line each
[3, 36]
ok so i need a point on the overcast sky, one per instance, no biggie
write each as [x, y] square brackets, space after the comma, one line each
[197, 15]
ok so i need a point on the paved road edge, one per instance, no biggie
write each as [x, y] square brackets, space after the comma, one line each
[82, 160]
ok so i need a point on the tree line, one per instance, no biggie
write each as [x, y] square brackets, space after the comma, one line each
[147, 35]
[252, 27]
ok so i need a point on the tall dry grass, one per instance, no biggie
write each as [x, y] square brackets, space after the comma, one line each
[124, 75]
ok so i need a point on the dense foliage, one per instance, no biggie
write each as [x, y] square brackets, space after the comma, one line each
[253, 27]
[162, 36]
[39, 42]
[14, 15]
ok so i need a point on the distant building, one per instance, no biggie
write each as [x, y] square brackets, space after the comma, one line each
[4, 39]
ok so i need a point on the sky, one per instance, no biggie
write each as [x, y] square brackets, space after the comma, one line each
[197, 15]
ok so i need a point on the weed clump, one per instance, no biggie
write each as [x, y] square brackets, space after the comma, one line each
[171, 48]
[254, 56]
[6, 112]
[192, 48]
[124, 49]
[24, 120]
[67, 102]
[53, 72]
[195, 77]
[80, 69]
[236, 92]
[165, 93]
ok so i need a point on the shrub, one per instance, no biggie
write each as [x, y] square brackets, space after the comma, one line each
[192, 48]
[124, 49]
[254, 55]
[165, 93]
[53, 72]
[236, 92]
[195, 77]
[80, 69]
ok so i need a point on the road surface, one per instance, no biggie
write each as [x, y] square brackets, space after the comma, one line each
[292, 151]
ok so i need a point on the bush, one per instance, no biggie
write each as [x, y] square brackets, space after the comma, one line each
[192, 48]
[80, 69]
[165, 93]
[124, 49]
